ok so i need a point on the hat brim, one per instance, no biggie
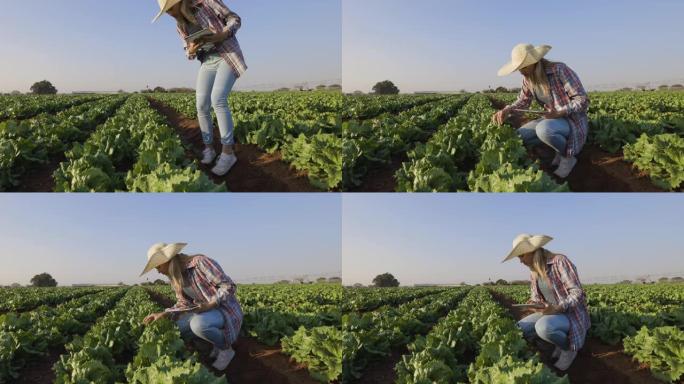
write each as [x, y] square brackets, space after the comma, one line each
[168, 6]
[163, 255]
[511, 67]
[536, 242]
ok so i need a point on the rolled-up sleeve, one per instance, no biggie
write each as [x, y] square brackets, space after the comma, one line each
[181, 303]
[524, 98]
[225, 287]
[233, 22]
[579, 101]
[535, 297]
[571, 282]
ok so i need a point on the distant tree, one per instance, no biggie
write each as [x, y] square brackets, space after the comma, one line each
[15, 285]
[321, 280]
[43, 88]
[385, 280]
[501, 90]
[121, 283]
[626, 89]
[358, 285]
[501, 282]
[463, 283]
[43, 280]
[520, 282]
[663, 280]
[677, 87]
[335, 87]
[284, 89]
[336, 280]
[463, 91]
[385, 88]
[283, 282]
[159, 282]
[15, 93]
[663, 87]
[677, 279]
[121, 91]
[321, 87]
[159, 90]
[625, 282]
[358, 92]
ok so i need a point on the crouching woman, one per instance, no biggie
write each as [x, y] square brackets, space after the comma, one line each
[199, 283]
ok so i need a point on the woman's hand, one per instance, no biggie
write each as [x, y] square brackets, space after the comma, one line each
[500, 116]
[552, 113]
[151, 318]
[206, 306]
[193, 48]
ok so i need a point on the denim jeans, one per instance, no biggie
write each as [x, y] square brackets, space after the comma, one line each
[207, 325]
[550, 328]
[552, 132]
[214, 83]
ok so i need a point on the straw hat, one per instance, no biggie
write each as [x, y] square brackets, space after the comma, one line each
[165, 5]
[522, 56]
[525, 243]
[160, 253]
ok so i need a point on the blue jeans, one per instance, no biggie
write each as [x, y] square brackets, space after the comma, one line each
[550, 328]
[552, 132]
[207, 325]
[214, 83]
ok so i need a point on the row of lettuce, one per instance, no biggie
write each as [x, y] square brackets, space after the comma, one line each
[304, 127]
[647, 319]
[112, 143]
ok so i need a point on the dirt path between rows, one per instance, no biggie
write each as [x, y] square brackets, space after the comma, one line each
[596, 362]
[380, 178]
[596, 170]
[255, 171]
[253, 362]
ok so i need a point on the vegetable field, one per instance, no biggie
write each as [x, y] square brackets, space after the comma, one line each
[468, 334]
[83, 335]
[288, 142]
[448, 143]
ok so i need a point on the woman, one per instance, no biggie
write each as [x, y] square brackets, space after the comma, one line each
[561, 318]
[222, 64]
[199, 281]
[565, 124]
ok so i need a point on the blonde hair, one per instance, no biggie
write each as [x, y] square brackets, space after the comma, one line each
[538, 80]
[539, 260]
[176, 267]
[187, 17]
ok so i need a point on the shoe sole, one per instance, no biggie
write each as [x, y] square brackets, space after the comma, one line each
[224, 173]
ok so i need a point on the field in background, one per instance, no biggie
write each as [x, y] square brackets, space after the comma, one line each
[448, 143]
[287, 142]
[96, 334]
[468, 334]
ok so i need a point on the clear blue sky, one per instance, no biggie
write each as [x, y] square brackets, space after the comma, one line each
[111, 45]
[455, 44]
[104, 238]
[450, 238]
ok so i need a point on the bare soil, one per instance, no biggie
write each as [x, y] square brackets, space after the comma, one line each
[253, 362]
[596, 362]
[39, 371]
[255, 171]
[381, 177]
[382, 371]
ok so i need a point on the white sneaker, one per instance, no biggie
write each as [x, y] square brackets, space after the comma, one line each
[565, 167]
[214, 353]
[223, 359]
[565, 360]
[556, 353]
[224, 164]
[208, 156]
[556, 160]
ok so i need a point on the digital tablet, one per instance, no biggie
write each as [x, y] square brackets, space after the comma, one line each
[533, 306]
[175, 310]
[197, 35]
[530, 111]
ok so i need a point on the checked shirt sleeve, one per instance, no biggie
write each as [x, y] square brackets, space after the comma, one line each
[233, 22]
[579, 101]
[535, 297]
[571, 282]
[225, 287]
[524, 98]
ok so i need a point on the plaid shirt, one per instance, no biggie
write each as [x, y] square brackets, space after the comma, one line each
[568, 97]
[569, 296]
[216, 16]
[208, 281]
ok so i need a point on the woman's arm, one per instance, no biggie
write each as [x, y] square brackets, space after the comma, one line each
[571, 282]
[534, 292]
[579, 101]
[524, 98]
